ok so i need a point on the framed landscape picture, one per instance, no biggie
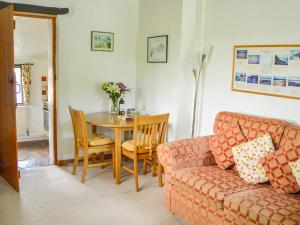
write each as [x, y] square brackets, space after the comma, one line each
[102, 41]
[267, 69]
[157, 49]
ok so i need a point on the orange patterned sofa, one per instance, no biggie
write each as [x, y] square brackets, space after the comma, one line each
[201, 193]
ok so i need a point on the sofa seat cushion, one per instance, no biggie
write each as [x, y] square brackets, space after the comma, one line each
[142, 148]
[211, 183]
[263, 206]
[99, 139]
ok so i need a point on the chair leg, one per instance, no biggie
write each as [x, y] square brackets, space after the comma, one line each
[94, 155]
[136, 175]
[153, 161]
[145, 164]
[159, 175]
[75, 164]
[85, 166]
[126, 135]
[102, 159]
[126, 138]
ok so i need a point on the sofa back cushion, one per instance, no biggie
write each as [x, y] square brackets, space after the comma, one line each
[222, 144]
[277, 164]
[251, 126]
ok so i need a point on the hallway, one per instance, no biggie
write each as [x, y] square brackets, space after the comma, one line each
[33, 154]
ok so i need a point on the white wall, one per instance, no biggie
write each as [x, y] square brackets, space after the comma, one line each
[31, 37]
[189, 51]
[157, 83]
[81, 71]
[170, 87]
[31, 117]
[166, 87]
[235, 22]
[21, 121]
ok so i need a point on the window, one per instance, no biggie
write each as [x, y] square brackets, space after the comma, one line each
[19, 86]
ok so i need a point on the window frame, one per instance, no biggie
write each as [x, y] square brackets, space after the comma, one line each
[21, 85]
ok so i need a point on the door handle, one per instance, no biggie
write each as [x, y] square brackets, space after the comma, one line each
[12, 78]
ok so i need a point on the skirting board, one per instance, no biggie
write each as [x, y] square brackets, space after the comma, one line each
[32, 138]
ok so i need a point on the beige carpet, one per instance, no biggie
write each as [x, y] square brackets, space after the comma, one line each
[52, 196]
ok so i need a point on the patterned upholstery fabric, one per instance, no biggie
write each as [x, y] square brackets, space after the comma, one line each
[247, 158]
[193, 210]
[222, 144]
[183, 180]
[210, 183]
[262, 206]
[251, 126]
[276, 164]
[183, 154]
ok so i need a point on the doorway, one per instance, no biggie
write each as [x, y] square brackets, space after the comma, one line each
[34, 57]
[31, 54]
[8, 131]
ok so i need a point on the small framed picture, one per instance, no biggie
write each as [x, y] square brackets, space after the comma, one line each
[157, 49]
[102, 41]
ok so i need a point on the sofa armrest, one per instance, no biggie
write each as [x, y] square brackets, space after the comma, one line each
[185, 153]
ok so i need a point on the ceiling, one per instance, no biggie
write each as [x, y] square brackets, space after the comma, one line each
[31, 37]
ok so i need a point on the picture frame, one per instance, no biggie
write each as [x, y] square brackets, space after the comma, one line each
[271, 70]
[157, 49]
[102, 41]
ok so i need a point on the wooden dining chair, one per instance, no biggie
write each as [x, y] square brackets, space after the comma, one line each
[149, 132]
[160, 170]
[93, 144]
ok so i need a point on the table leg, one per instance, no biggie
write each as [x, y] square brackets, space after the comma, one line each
[118, 154]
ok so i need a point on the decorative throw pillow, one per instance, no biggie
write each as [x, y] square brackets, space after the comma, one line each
[221, 145]
[296, 170]
[277, 166]
[247, 158]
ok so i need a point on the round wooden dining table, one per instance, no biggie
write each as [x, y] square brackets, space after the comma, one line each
[113, 122]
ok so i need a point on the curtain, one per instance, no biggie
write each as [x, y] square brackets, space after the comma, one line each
[26, 81]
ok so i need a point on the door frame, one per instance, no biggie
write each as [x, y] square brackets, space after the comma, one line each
[54, 69]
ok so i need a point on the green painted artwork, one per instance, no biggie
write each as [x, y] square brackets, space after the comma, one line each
[102, 41]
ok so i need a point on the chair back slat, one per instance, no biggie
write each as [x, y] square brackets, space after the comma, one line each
[73, 125]
[79, 127]
[149, 132]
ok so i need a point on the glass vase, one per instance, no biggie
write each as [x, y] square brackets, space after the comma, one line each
[114, 109]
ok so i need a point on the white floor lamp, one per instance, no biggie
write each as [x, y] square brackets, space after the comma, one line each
[197, 73]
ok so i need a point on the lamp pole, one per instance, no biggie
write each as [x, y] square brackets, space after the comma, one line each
[197, 74]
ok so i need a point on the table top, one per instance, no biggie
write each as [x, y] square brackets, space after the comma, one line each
[106, 119]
